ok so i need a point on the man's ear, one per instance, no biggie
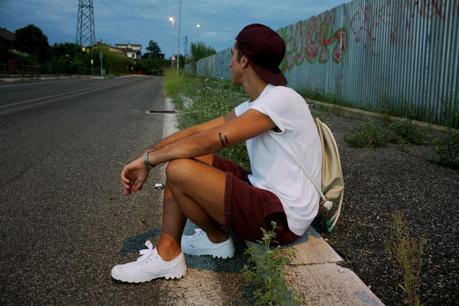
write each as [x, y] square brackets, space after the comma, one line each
[244, 61]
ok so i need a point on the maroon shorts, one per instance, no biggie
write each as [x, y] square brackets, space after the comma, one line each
[248, 208]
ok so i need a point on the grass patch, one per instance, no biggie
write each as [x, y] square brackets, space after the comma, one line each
[406, 132]
[407, 252]
[374, 135]
[265, 272]
[173, 82]
[199, 100]
[447, 151]
[369, 135]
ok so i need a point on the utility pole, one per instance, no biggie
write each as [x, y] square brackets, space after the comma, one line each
[85, 31]
[185, 48]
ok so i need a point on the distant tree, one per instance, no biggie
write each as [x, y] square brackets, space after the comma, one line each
[31, 39]
[63, 49]
[200, 50]
[154, 51]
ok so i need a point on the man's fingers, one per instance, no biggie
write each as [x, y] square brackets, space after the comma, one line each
[124, 176]
[137, 186]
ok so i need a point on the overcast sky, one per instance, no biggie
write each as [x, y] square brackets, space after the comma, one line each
[138, 21]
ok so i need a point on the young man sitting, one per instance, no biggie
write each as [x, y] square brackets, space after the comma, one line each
[218, 195]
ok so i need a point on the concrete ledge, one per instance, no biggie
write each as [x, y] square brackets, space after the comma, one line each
[330, 284]
[314, 272]
[310, 249]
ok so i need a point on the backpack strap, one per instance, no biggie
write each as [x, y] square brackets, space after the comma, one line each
[326, 203]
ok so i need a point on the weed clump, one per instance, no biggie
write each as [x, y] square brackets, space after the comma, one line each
[377, 135]
[406, 132]
[447, 151]
[265, 272]
[369, 135]
[173, 82]
[407, 252]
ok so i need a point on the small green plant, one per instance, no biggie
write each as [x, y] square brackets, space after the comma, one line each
[369, 135]
[265, 272]
[173, 82]
[449, 114]
[407, 133]
[407, 252]
[447, 151]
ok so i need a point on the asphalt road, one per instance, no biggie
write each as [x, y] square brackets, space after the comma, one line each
[64, 220]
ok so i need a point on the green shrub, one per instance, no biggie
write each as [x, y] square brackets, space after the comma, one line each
[407, 133]
[369, 135]
[407, 252]
[447, 151]
[201, 99]
[173, 82]
[265, 273]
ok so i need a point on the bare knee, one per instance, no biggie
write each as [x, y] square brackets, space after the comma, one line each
[179, 170]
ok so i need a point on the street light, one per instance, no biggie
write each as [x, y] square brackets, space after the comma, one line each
[172, 22]
[178, 40]
[197, 28]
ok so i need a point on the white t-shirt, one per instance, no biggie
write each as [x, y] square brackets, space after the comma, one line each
[271, 154]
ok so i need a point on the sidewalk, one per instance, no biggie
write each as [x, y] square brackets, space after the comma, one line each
[315, 271]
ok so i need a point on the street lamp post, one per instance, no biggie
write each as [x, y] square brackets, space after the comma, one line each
[197, 29]
[172, 22]
[178, 40]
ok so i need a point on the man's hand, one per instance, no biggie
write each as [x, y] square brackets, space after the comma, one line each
[134, 176]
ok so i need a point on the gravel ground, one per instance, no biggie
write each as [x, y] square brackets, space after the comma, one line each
[397, 178]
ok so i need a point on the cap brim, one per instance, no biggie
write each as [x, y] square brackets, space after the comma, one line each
[275, 78]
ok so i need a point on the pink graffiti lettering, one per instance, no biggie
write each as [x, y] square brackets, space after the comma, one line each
[311, 40]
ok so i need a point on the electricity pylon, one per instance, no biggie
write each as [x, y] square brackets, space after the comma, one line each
[85, 32]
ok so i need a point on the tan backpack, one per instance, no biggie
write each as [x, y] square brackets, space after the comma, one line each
[332, 185]
[331, 188]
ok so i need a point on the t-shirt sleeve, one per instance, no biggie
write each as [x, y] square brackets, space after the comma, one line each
[241, 108]
[279, 107]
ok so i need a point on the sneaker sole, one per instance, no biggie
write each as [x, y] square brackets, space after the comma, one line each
[209, 253]
[127, 279]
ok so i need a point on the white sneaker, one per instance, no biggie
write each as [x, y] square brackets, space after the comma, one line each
[198, 244]
[150, 266]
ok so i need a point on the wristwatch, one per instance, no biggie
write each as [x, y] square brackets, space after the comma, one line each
[146, 162]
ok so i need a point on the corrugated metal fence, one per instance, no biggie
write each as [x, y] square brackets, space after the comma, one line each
[399, 57]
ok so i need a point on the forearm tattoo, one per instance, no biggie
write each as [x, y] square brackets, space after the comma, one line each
[223, 140]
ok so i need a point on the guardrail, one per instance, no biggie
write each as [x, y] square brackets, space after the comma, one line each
[22, 70]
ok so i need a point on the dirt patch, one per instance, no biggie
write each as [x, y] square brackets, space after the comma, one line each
[397, 178]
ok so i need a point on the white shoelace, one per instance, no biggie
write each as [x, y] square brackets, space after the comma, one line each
[197, 234]
[146, 252]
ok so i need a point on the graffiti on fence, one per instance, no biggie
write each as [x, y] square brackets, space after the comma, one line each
[429, 8]
[392, 15]
[312, 40]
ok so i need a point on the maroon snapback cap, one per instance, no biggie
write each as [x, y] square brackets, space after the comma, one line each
[265, 50]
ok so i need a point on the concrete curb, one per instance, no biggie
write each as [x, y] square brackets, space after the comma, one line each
[359, 114]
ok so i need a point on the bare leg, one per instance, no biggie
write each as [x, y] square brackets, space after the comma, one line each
[193, 190]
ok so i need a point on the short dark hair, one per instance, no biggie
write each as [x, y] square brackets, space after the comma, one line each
[239, 52]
